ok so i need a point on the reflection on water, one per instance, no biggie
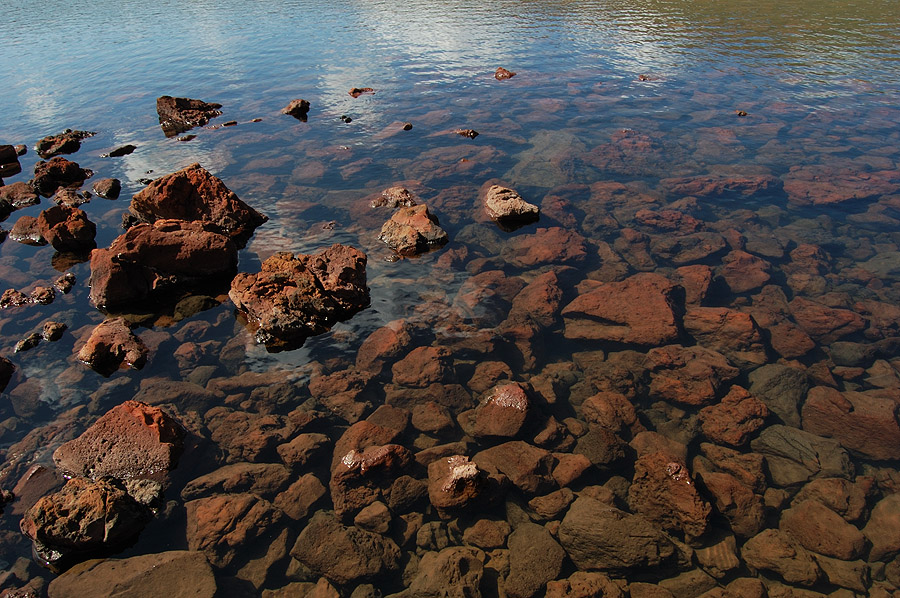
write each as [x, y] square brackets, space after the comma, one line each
[704, 319]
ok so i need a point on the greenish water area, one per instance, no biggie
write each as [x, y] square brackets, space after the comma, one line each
[704, 321]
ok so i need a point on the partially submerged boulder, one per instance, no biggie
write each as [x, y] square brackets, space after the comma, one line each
[177, 115]
[150, 259]
[112, 344]
[293, 297]
[194, 194]
[58, 172]
[67, 229]
[507, 208]
[297, 108]
[413, 230]
[67, 142]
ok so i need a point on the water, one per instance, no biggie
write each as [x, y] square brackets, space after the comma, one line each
[611, 101]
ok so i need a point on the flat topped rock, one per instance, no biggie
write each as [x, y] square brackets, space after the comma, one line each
[177, 115]
[67, 142]
[505, 206]
[413, 230]
[293, 297]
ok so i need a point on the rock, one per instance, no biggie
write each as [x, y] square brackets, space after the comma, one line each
[847, 499]
[58, 172]
[734, 334]
[297, 109]
[345, 554]
[363, 476]
[469, 133]
[864, 424]
[131, 440]
[7, 369]
[150, 260]
[177, 115]
[384, 346]
[689, 375]
[395, 197]
[122, 150]
[67, 229]
[736, 501]
[18, 195]
[223, 526]
[687, 249]
[358, 91]
[583, 584]
[598, 537]
[111, 345]
[293, 297]
[27, 232]
[506, 207]
[782, 389]
[108, 188]
[601, 446]
[262, 479]
[744, 272]
[67, 142]
[821, 184]
[716, 186]
[413, 230]
[487, 534]
[71, 198]
[734, 419]
[535, 558]
[545, 246]
[83, 517]
[503, 412]
[825, 324]
[454, 482]
[795, 456]
[695, 280]
[298, 500]
[245, 436]
[176, 573]
[819, 529]
[663, 492]
[528, 467]
[304, 450]
[613, 411]
[643, 310]
[883, 529]
[854, 575]
[501, 74]
[773, 550]
[193, 193]
[424, 366]
[454, 572]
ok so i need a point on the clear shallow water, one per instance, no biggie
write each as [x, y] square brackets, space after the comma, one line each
[819, 83]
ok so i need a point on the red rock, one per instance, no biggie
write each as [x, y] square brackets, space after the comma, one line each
[736, 502]
[361, 477]
[535, 558]
[773, 550]
[192, 193]
[863, 423]
[821, 184]
[296, 108]
[734, 334]
[223, 526]
[487, 534]
[501, 73]
[847, 499]
[454, 482]
[383, 346]
[432, 418]
[67, 142]
[177, 115]
[244, 436]
[883, 529]
[395, 197]
[642, 309]
[345, 393]
[539, 300]
[735, 419]
[503, 412]
[613, 411]
[747, 468]
[27, 232]
[744, 272]
[569, 468]
[148, 258]
[585, 584]
[821, 530]
[689, 375]
[413, 230]
[303, 450]
[544, 246]
[507, 207]
[424, 366]
[262, 479]
[108, 188]
[685, 249]
[668, 221]
[298, 500]
[528, 467]
[293, 297]
[67, 229]
[629, 152]
[84, 516]
[111, 345]
[715, 186]
[601, 446]
[19, 195]
[132, 440]
[825, 324]
[58, 172]
[358, 91]
[662, 491]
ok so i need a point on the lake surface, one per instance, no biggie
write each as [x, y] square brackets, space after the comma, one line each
[748, 152]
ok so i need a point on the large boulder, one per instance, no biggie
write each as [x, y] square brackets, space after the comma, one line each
[193, 193]
[131, 440]
[150, 259]
[67, 229]
[864, 424]
[794, 456]
[293, 297]
[58, 172]
[644, 309]
[177, 115]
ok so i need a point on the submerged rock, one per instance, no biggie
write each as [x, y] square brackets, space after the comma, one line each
[177, 115]
[454, 482]
[194, 194]
[112, 344]
[413, 230]
[152, 259]
[293, 297]
[67, 142]
[58, 172]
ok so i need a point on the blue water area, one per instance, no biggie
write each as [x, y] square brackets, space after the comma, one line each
[748, 152]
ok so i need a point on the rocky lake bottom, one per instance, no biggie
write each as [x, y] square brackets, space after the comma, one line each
[598, 325]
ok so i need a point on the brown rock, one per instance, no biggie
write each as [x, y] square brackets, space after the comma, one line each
[507, 207]
[825, 324]
[714, 186]
[695, 280]
[108, 188]
[613, 411]
[58, 172]
[384, 346]
[584, 584]
[151, 258]
[454, 482]
[192, 194]
[689, 375]
[734, 334]
[298, 500]
[503, 412]
[736, 501]
[423, 366]
[222, 526]
[304, 450]
[795, 456]
[111, 345]
[18, 195]
[643, 309]
[413, 230]
[773, 550]
[744, 272]
[501, 74]
[535, 558]
[131, 440]
[528, 467]
[864, 424]
[262, 479]
[361, 477]
[847, 499]
[821, 530]
[358, 91]
[67, 142]
[67, 229]
[395, 197]
[883, 529]
[687, 249]
[454, 572]
[487, 534]
[733, 420]
[545, 246]
[662, 491]
[819, 184]
[293, 297]
[297, 109]
[177, 115]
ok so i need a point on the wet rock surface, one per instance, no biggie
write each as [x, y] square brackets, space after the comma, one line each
[177, 115]
[413, 230]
